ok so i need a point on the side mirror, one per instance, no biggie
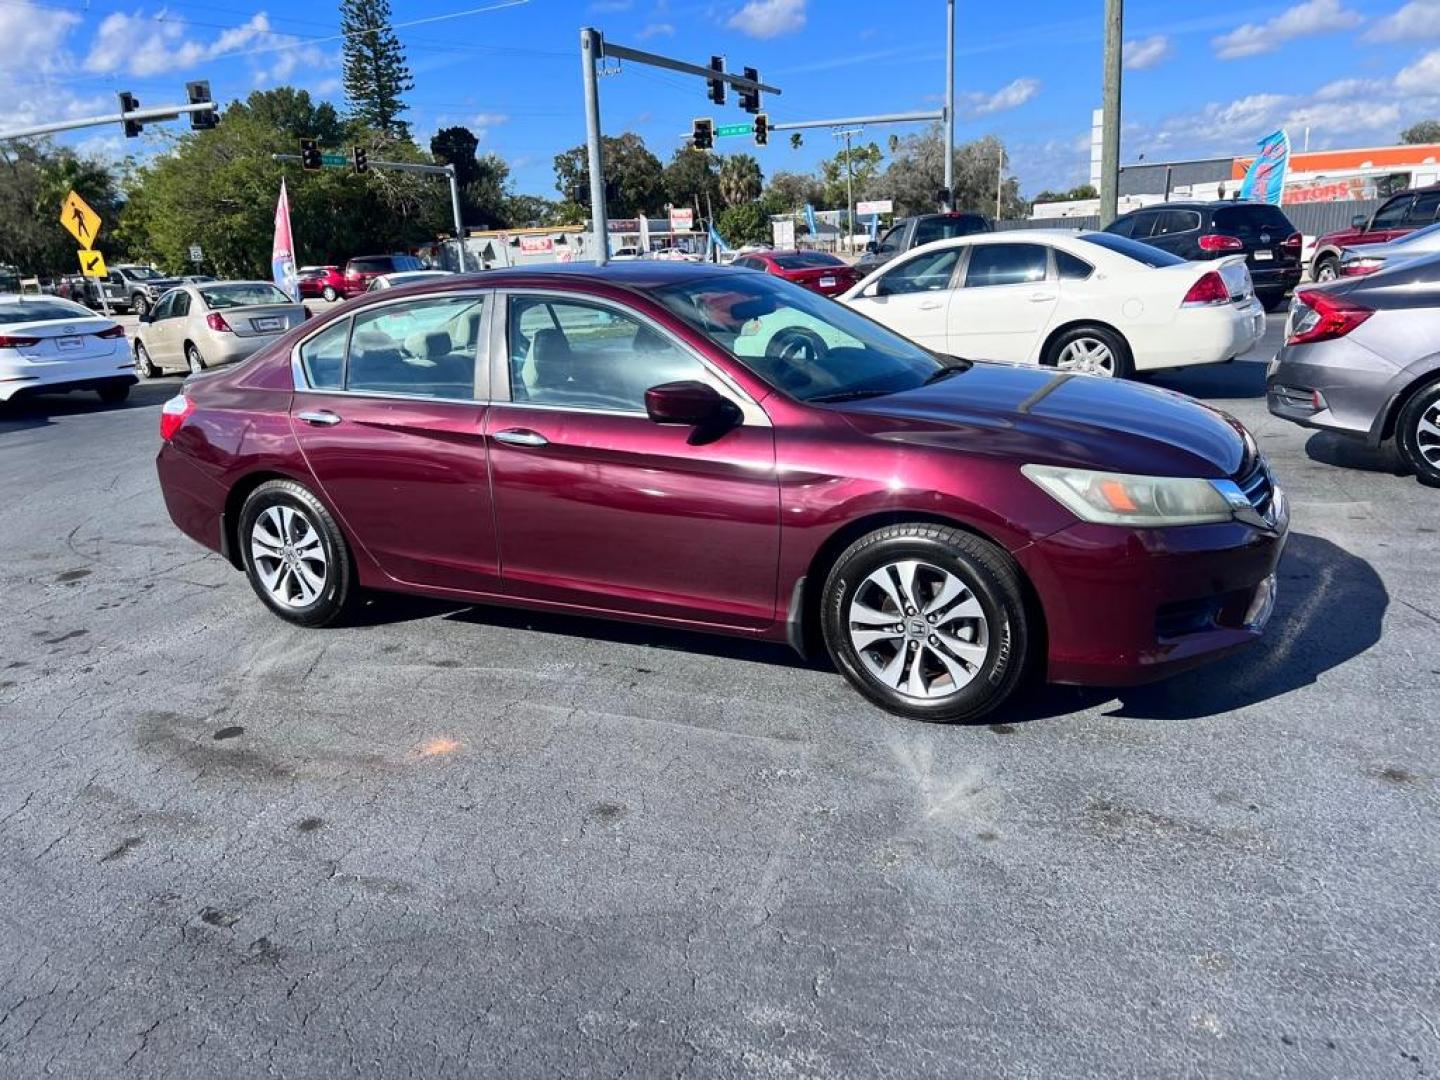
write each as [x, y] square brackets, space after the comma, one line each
[1359, 221]
[691, 403]
[871, 247]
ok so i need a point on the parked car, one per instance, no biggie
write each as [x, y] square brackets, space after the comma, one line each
[1362, 358]
[359, 272]
[197, 279]
[669, 444]
[913, 232]
[628, 252]
[1356, 262]
[321, 283]
[86, 291]
[1395, 217]
[826, 274]
[1221, 230]
[50, 345]
[140, 286]
[405, 277]
[1091, 302]
[196, 327]
[674, 254]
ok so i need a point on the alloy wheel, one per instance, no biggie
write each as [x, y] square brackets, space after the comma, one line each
[1427, 434]
[194, 360]
[1326, 272]
[289, 556]
[1086, 356]
[918, 629]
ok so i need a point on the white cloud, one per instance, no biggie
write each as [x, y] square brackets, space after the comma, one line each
[658, 29]
[769, 18]
[1010, 96]
[1421, 77]
[1303, 20]
[1417, 20]
[37, 35]
[481, 123]
[1147, 52]
[153, 45]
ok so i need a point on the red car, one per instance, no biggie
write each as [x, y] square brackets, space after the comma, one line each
[815, 270]
[362, 270]
[1397, 216]
[699, 447]
[321, 282]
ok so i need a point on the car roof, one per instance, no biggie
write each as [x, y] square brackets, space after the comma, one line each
[1203, 204]
[640, 274]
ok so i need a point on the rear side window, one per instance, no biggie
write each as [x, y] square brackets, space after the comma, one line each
[421, 348]
[1132, 249]
[1005, 264]
[1175, 221]
[1423, 209]
[1248, 223]
[931, 229]
[1072, 267]
[323, 357]
[180, 304]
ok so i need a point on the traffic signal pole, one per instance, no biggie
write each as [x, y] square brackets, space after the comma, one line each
[949, 203]
[160, 112]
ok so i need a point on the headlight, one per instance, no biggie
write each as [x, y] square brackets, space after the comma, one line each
[1123, 499]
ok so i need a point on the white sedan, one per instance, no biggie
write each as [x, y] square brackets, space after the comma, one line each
[49, 345]
[1088, 302]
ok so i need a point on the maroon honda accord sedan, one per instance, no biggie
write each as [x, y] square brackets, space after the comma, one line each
[722, 450]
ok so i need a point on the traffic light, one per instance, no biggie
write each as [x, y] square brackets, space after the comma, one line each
[762, 129]
[750, 99]
[199, 94]
[361, 158]
[702, 134]
[310, 159]
[717, 86]
[129, 103]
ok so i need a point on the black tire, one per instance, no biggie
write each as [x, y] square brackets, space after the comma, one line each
[140, 306]
[337, 592]
[193, 359]
[991, 579]
[1273, 302]
[113, 393]
[1327, 268]
[329, 294]
[1417, 434]
[1122, 364]
[144, 366]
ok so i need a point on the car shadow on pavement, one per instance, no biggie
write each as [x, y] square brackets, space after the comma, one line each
[1329, 448]
[1216, 382]
[32, 412]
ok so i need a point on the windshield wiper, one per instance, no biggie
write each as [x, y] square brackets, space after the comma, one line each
[848, 395]
[946, 372]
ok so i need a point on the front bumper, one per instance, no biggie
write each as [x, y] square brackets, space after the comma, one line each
[1129, 606]
[1353, 384]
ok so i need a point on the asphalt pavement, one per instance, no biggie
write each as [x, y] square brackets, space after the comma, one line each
[457, 841]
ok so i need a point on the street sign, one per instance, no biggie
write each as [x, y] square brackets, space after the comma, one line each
[79, 220]
[725, 130]
[682, 219]
[876, 206]
[337, 161]
[196, 255]
[92, 264]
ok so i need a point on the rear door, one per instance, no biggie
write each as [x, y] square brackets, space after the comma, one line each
[1175, 231]
[389, 413]
[1007, 299]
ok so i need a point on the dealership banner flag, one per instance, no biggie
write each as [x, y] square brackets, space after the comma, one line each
[1265, 179]
[282, 251]
[810, 220]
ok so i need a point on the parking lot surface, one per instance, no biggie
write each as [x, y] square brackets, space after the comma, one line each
[461, 841]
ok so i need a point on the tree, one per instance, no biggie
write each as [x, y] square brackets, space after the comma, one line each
[1426, 131]
[634, 178]
[864, 161]
[375, 72]
[746, 223]
[34, 178]
[1075, 194]
[740, 179]
[456, 146]
[917, 172]
[691, 176]
[485, 199]
[528, 211]
[791, 191]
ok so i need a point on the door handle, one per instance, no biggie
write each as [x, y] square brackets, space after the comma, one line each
[931, 305]
[1041, 297]
[320, 417]
[521, 437]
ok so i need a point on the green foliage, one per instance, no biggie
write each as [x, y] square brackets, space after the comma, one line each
[789, 191]
[375, 72]
[34, 179]
[634, 178]
[1426, 131]
[1075, 194]
[691, 176]
[524, 211]
[747, 223]
[456, 146]
[740, 179]
[917, 172]
[864, 161]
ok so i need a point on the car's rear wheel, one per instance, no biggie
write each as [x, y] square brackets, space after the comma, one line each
[295, 555]
[1418, 434]
[143, 364]
[193, 359]
[928, 622]
[1090, 350]
[330, 294]
[1327, 269]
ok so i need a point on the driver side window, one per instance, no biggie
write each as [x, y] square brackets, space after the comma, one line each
[162, 310]
[925, 273]
[890, 242]
[423, 348]
[1392, 214]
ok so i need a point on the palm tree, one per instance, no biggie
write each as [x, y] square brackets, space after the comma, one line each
[740, 179]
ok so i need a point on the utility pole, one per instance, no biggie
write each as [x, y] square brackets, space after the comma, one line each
[1110, 131]
[949, 203]
[849, 189]
[999, 181]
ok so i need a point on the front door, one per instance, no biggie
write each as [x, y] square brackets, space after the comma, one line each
[912, 296]
[601, 508]
[1005, 303]
[391, 423]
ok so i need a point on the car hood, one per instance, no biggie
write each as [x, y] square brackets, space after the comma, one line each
[1046, 417]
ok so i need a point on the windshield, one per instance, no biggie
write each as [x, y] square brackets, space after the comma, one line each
[1132, 249]
[228, 296]
[24, 311]
[807, 345]
[142, 273]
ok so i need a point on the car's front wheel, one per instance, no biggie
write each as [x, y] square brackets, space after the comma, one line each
[1327, 269]
[330, 294]
[928, 622]
[295, 555]
[141, 306]
[1418, 434]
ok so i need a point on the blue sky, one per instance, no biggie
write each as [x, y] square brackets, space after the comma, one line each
[1197, 82]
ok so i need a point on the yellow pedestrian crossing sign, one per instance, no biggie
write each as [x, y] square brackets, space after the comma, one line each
[79, 220]
[92, 264]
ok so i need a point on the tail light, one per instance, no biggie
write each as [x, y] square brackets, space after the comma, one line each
[7, 342]
[1293, 242]
[173, 415]
[1217, 242]
[116, 331]
[1323, 316]
[1357, 267]
[1209, 288]
[217, 322]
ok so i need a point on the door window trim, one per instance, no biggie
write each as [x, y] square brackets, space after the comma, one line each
[500, 397]
[483, 337]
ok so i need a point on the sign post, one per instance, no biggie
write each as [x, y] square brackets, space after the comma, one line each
[83, 223]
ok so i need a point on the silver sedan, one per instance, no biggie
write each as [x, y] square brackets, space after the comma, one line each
[199, 326]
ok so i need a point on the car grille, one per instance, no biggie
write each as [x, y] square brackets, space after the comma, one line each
[1258, 486]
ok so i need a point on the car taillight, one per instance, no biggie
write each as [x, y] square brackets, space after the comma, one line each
[1294, 240]
[173, 415]
[1217, 242]
[7, 342]
[217, 322]
[1209, 288]
[1356, 267]
[1322, 316]
[116, 331]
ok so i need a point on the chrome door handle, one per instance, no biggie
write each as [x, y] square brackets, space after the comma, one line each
[521, 437]
[323, 417]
